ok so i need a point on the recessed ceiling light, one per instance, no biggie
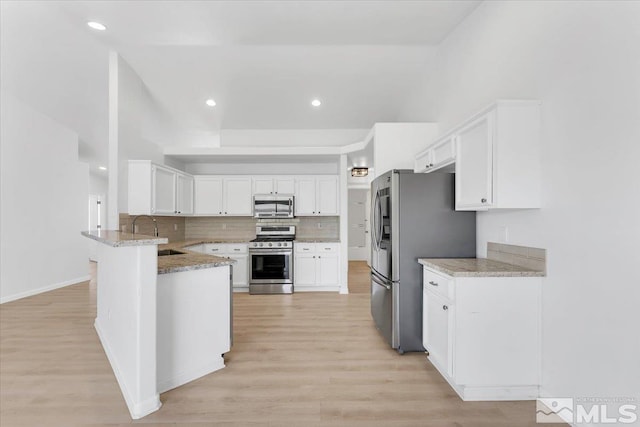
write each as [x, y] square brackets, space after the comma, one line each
[316, 102]
[102, 168]
[96, 25]
[211, 103]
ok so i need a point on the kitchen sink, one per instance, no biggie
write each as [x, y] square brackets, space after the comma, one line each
[165, 252]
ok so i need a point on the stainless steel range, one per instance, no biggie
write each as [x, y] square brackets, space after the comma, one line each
[271, 260]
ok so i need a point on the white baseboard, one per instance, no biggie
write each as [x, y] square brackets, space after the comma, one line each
[55, 286]
[188, 376]
[316, 288]
[136, 409]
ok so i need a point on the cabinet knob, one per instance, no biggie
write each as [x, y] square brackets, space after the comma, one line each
[444, 307]
[225, 213]
[483, 200]
[432, 283]
[426, 166]
[314, 256]
[430, 165]
[220, 213]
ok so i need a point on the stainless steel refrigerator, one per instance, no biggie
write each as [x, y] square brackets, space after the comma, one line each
[412, 217]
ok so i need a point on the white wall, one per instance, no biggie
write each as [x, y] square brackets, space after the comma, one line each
[44, 203]
[138, 127]
[233, 168]
[290, 137]
[581, 59]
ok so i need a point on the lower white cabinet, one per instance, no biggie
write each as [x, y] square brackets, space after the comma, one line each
[316, 266]
[236, 251]
[483, 334]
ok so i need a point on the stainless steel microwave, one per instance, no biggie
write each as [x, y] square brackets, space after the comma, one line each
[270, 206]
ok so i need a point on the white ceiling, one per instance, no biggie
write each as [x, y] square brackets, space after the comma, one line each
[262, 61]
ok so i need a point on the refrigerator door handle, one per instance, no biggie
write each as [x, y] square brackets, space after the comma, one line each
[380, 283]
[376, 220]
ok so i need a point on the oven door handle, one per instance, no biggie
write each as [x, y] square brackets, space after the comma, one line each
[269, 252]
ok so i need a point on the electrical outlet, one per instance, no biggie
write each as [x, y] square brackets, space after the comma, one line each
[224, 226]
[175, 227]
[319, 225]
[123, 228]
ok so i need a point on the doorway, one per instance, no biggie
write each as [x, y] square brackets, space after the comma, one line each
[358, 225]
[97, 219]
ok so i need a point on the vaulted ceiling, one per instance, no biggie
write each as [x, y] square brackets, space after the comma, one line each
[262, 61]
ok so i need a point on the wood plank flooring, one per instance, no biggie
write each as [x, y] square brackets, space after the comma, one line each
[306, 359]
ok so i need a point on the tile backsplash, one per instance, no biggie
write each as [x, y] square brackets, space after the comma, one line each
[172, 227]
[245, 227]
[238, 227]
[524, 256]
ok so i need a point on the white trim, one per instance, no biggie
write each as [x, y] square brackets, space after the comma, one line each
[188, 376]
[318, 289]
[45, 289]
[137, 410]
[489, 393]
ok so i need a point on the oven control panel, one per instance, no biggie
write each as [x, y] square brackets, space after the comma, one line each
[269, 245]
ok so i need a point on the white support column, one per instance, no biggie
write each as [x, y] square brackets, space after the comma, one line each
[344, 226]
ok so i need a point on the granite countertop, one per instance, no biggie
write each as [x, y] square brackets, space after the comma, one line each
[199, 241]
[317, 240]
[117, 238]
[191, 260]
[478, 267]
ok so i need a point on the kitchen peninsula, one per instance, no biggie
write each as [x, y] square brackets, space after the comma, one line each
[163, 317]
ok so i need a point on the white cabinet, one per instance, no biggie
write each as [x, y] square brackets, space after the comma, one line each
[237, 196]
[217, 195]
[438, 155]
[184, 194]
[208, 195]
[317, 196]
[236, 251]
[158, 190]
[316, 266]
[483, 334]
[163, 190]
[394, 144]
[498, 158]
[475, 163]
[273, 185]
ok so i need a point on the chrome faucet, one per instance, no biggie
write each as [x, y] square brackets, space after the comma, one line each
[155, 224]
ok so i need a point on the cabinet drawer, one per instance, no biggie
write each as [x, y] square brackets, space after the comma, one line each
[306, 248]
[437, 283]
[328, 247]
[236, 248]
[215, 248]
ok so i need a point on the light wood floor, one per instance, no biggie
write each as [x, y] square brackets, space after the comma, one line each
[298, 360]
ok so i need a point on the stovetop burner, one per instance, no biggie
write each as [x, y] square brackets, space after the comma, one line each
[273, 239]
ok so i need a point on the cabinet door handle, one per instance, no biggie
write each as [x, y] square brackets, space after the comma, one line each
[314, 256]
[444, 307]
[483, 200]
[237, 250]
[432, 283]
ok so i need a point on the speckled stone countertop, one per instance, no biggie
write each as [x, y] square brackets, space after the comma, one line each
[317, 240]
[118, 238]
[191, 260]
[477, 267]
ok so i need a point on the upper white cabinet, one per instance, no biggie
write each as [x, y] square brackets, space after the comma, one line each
[497, 157]
[158, 190]
[217, 195]
[274, 185]
[184, 194]
[438, 155]
[395, 144]
[317, 195]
